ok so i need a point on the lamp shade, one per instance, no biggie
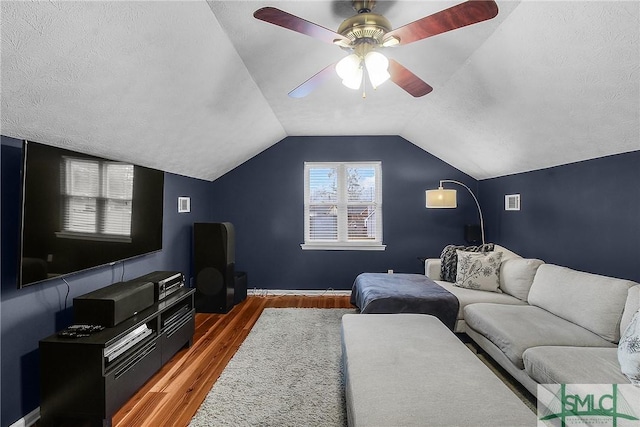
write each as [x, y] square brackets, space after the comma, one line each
[441, 198]
[349, 69]
[377, 67]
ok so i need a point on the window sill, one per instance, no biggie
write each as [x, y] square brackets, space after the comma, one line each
[342, 247]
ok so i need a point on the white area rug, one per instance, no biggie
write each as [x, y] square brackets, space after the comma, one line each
[286, 373]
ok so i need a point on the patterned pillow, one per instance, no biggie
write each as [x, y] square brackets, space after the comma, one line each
[479, 271]
[629, 350]
[449, 259]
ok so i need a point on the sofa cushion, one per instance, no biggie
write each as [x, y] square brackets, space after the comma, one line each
[631, 306]
[515, 328]
[432, 268]
[629, 350]
[479, 270]
[516, 276]
[449, 259]
[573, 365]
[506, 253]
[592, 301]
[471, 296]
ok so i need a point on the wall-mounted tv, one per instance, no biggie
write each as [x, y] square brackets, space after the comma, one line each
[81, 211]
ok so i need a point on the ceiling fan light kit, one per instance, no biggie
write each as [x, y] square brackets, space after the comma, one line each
[350, 68]
[366, 33]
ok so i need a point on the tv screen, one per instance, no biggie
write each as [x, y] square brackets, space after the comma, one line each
[81, 211]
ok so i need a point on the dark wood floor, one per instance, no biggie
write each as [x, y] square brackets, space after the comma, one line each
[173, 395]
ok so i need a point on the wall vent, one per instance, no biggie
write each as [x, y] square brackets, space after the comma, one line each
[184, 204]
[512, 202]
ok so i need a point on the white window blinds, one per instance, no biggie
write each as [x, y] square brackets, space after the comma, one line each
[97, 198]
[343, 206]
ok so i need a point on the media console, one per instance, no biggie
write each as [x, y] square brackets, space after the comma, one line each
[88, 378]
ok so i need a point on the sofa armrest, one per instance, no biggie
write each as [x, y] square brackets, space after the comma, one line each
[432, 268]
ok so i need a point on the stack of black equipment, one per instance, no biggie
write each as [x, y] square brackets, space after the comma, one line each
[125, 333]
[112, 304]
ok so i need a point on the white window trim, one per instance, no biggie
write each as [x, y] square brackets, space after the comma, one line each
[343, 244]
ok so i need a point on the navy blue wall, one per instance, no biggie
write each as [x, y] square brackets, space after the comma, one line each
[582, 215]
[264, 199]
[33, 313]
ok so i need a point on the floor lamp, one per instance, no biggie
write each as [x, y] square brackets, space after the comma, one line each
[442, 198]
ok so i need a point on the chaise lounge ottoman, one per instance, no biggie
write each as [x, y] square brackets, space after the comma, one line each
[411, 370]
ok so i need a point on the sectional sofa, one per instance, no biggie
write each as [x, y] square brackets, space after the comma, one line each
[548, 324]
[543, 323]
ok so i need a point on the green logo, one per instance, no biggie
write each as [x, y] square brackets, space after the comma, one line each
[587, 404]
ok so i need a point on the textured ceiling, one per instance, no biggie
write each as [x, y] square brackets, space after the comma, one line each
[197, 88]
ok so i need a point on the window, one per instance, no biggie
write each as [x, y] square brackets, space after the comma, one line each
[96, 199]
[343, 206]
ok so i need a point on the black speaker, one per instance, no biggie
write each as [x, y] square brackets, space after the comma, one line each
[113, 304]
[472, 233]
[214, 265]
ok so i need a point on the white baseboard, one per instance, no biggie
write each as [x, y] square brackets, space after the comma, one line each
[300, 292]
[28, 420]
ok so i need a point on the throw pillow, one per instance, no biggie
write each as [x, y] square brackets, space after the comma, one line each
[449, 259]
[629, 350]
[516, 275]
[479, 270]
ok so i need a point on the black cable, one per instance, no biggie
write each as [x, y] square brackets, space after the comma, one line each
[122, 277]
[68, 290]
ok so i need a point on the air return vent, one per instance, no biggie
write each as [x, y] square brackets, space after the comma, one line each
[512, 202]
[184, 204]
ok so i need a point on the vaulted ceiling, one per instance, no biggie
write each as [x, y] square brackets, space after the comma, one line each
[199, 87]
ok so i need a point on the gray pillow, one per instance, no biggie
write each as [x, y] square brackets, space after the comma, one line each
[449, 259]
[629, 350]
[516, 276]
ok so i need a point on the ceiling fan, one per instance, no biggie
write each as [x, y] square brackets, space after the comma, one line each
[366, 34]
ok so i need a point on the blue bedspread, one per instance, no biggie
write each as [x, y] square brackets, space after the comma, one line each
[404, 293]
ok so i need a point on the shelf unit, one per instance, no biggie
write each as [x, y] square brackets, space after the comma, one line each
[79, 384]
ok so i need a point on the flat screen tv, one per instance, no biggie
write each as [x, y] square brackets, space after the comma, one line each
[81, 211]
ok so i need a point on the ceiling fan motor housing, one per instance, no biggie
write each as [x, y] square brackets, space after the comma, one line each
[365, 27]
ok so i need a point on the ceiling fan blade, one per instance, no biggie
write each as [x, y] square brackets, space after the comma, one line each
[461, 15]
[294, 23]
[408, 81]
[317, 80]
